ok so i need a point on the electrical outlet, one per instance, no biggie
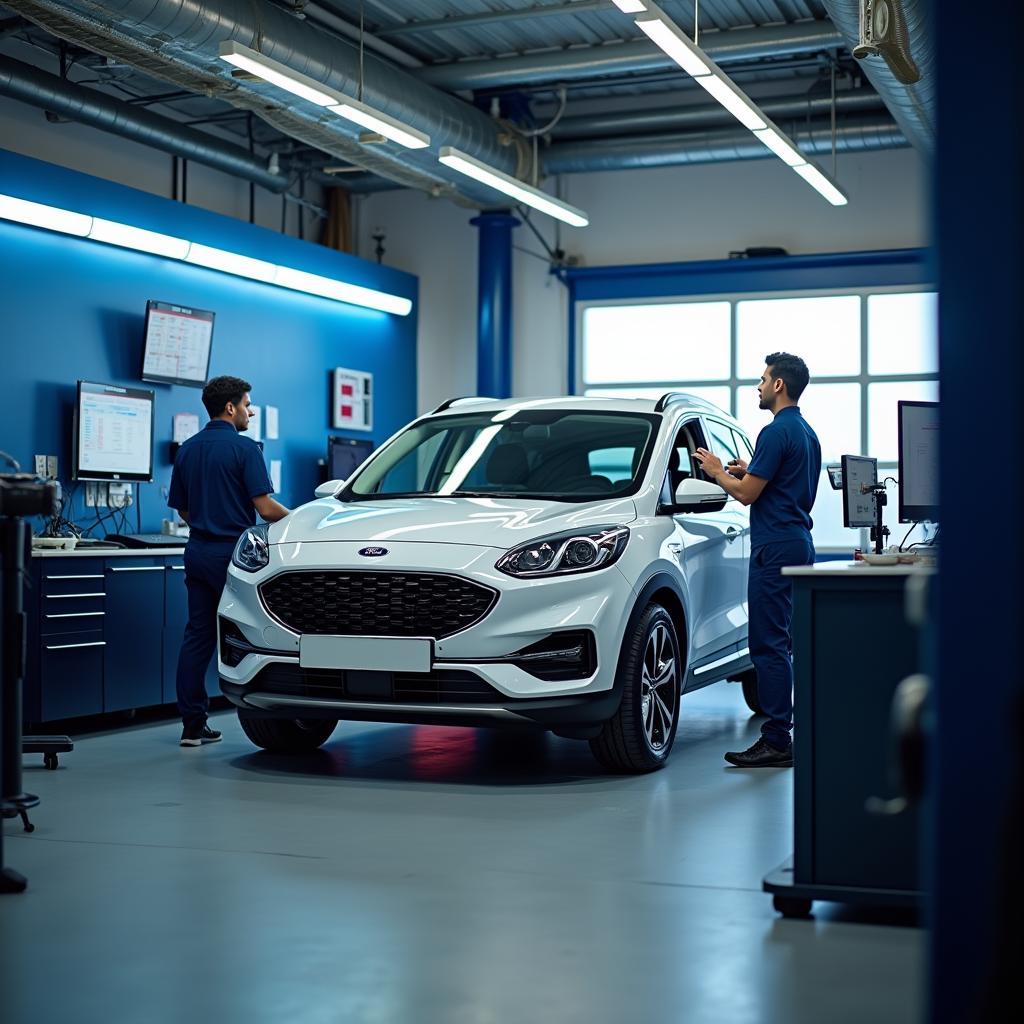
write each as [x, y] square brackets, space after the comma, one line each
[51, 466]
[90, 495]
[40, 465]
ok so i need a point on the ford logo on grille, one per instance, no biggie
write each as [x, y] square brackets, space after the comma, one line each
[373, 552]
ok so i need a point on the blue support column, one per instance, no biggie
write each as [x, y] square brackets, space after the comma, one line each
[494, 304]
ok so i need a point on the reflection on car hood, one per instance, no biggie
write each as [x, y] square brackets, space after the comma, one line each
[487, 522]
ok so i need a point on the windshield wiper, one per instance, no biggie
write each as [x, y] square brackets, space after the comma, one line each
[484, 494]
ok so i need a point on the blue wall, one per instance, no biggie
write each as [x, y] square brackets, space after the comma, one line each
[72, 308]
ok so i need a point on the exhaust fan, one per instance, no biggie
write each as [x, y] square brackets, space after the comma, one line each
[883, 32]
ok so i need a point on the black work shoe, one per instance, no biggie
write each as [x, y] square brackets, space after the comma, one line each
[196, 738]
[761, 755]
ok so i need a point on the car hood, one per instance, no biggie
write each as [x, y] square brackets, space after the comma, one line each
[481, 522]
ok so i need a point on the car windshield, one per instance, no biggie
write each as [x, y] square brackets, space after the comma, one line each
[559, 455]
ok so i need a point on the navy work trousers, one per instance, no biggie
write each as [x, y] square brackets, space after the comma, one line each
[770, 604]
[206, 571]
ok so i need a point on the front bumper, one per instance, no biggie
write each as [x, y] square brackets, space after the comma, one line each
[271, 681]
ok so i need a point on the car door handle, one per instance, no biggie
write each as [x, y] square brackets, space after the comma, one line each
[732, 533]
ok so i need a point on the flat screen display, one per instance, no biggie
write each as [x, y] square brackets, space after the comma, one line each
[919, 462]
[178, 340]
[858, 507]
[345, 455]
[113, 433]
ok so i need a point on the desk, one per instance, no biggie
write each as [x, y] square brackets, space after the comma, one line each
[104, 629]
[852, 646]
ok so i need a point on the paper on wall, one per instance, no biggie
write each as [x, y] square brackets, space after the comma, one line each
[255, 430]
[271, 422]
[275, 474]
[186, 425]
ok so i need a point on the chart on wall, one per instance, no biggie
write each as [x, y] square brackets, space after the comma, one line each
[353, 400]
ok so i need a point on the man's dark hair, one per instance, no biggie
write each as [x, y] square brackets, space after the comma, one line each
[221, 390]
[791, 370]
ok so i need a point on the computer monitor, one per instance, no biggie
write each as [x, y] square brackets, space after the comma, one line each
[178, 341]
[113, 433]
[919, 462]
[858, 507]
[345, 455]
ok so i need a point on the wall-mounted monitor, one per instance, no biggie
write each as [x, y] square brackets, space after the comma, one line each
[919, 462]
[178, 341]
[859, 472]
[113, 433]
[345, 455]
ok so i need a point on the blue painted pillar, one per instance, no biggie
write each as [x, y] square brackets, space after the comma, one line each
[494, 304]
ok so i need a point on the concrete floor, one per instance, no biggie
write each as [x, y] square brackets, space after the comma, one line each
[420, 875]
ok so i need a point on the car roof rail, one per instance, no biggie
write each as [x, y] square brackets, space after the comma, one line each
[669, 396]
[461, 398]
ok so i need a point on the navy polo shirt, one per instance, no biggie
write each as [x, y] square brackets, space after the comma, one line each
[788, 456]
[216, 475]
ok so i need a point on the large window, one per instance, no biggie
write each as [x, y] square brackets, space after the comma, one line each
[866, 351]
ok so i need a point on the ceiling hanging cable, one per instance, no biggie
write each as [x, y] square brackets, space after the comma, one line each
[696, 22]
[359, 95]
[834, 156]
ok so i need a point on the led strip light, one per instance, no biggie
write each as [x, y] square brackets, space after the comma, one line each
[666, 34]
[126, 236]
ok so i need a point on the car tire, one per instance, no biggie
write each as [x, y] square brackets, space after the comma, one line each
[749, 683]
[637, 739]
[287, 735]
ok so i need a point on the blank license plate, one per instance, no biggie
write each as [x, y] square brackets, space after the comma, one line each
[372, 653]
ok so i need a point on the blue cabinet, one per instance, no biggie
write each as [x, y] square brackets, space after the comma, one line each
[133, 656]
[70, 675]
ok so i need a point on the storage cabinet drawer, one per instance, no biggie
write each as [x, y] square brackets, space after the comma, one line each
[71, 576]
[71, 675]
[63, 613]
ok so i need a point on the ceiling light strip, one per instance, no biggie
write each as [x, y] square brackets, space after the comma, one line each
[666, 34]
[126, 236]
[310, 89]
[518, 190]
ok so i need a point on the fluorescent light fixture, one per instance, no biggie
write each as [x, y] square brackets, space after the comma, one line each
[329, 288]
[822, 183]
[473, 168]
[128, 237]
[733, 100]
[671, 39]
[278, 74]
[781, 147]
[376, 121]
[53, 218]
[231, 263]
[630, 6]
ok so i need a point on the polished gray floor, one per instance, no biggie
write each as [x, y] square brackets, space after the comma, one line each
[408, 874]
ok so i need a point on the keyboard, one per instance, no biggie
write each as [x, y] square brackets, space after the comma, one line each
[147, 540]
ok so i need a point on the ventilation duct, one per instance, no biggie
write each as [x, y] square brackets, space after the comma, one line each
[87, 106]
[714, 146]
[913, 105]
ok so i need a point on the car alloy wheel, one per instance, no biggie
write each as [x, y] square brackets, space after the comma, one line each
[659, 701]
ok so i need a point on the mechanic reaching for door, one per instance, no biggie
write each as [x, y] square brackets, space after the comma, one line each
[779, 484]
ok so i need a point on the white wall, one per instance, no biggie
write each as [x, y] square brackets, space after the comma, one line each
[24, 129]
[664, 215]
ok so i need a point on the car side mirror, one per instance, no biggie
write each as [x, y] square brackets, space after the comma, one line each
[694, 495]
[329, 489]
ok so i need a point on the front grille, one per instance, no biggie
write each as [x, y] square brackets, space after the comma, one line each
[356, 603]
[440, 687]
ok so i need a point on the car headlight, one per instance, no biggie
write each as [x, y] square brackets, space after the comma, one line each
[563, 553]
[252, 552]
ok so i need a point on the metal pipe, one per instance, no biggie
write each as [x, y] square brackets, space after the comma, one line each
[635, 122]
[725, 47]
[86, 106]
[913, 106]
[715, 146]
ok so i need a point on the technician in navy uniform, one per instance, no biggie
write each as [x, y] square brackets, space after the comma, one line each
[218, 484]
[780, 485]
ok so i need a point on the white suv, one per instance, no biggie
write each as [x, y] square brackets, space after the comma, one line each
[557, 563]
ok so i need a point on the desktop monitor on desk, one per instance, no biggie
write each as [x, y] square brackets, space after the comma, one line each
[858, 507]
[113, 433]
[919, 462]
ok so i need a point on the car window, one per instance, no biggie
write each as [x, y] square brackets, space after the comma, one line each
[560, 454]
[681, 463]
[723, 441]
